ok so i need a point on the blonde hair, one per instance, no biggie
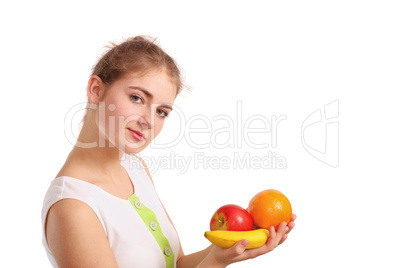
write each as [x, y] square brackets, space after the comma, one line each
[136, 54]
[139, 54]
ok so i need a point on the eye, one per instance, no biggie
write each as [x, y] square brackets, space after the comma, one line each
[136, 98]
[162, 113]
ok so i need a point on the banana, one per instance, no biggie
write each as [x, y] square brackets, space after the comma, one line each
[226, 239]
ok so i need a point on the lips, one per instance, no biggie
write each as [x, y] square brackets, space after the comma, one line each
[137, 135]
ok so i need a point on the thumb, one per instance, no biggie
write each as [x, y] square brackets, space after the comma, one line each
[238, 248]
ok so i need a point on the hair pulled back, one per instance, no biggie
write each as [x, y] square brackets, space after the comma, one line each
[137, 54]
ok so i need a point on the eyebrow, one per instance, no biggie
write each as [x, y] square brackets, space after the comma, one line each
[149, 95]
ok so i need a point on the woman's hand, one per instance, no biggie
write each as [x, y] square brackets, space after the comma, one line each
[221, 257]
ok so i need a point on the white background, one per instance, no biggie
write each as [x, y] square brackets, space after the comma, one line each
[277, 58]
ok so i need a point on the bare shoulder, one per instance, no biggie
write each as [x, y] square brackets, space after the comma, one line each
[81, 172]
[74, 170]
[76, 237]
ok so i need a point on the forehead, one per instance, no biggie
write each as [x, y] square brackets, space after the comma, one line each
[157, 83]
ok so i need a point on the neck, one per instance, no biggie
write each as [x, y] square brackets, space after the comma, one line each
[92, 149]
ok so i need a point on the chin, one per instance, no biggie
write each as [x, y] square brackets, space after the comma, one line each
[134, 148]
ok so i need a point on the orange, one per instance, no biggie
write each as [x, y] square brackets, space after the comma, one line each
[270, 208]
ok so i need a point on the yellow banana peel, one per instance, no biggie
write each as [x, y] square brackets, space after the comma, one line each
[226, 239]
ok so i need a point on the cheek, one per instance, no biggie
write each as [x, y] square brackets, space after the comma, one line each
[113, 119]
[116, 113]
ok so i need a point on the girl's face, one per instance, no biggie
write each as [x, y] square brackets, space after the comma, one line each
[133, 109]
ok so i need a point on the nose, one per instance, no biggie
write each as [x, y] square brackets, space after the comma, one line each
[144, 123]
[144, 117]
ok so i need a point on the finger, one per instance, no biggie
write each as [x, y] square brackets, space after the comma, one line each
[282, 228]
[269, 246]
[252, 253]
[284, 237]
[271, 242]
[237, 249]
[290, 226]
[293, 218]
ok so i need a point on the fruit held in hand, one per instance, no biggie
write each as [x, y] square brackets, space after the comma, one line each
[231, 218]
[270, 208]
[226, 239]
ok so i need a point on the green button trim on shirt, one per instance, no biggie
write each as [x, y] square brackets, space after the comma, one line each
[149, 218]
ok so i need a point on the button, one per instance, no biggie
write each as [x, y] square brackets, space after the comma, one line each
[153, 225]
[138, 204]
[168, 251]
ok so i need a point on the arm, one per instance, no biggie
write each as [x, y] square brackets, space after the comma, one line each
[221, 257]
[76, 237]
[217, 257]
[192, 260]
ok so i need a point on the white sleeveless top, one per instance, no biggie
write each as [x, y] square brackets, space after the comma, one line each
[132, 243]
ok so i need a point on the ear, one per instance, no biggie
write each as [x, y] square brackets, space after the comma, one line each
[95, 89]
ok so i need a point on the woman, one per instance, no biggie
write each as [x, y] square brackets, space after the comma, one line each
[102, 209]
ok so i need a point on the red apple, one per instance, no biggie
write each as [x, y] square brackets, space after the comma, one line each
[231, 218]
